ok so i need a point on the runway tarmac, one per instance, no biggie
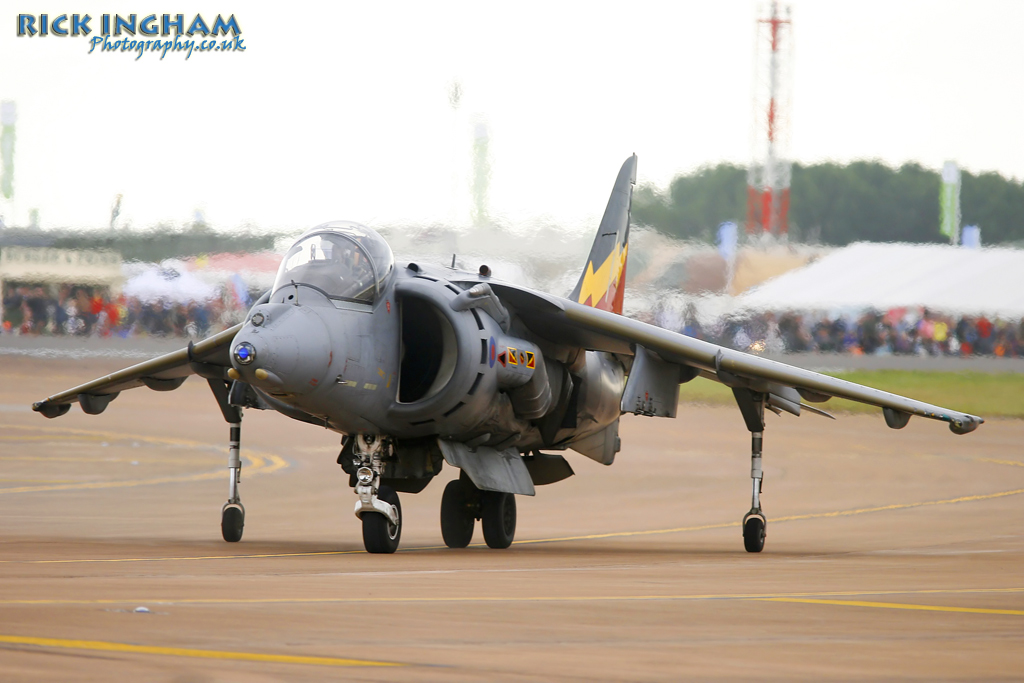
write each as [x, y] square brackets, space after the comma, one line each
[890, 554]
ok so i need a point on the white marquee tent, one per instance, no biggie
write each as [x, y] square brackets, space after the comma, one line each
[168, 284]
[866, 275]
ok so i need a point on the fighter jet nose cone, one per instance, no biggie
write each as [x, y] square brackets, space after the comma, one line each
[282, 349]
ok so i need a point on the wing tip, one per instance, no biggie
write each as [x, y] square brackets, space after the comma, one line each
[965, 426]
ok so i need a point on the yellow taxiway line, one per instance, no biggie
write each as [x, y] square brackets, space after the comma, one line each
[229, 655]
[104, 646]
[808, 597]
[898, 605]
[258, 462]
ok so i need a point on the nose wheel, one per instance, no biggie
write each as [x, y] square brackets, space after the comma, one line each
[380, 534]
[378, 507]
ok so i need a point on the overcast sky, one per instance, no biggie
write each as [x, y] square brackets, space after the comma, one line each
[341, 110]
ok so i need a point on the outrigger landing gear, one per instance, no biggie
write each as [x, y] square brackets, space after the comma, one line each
[751, 405]
[378, 506]
[232, 515]
[754, 522]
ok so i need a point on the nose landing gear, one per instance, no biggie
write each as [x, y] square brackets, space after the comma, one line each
[378, 506]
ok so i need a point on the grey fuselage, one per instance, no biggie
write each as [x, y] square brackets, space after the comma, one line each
[434, 354]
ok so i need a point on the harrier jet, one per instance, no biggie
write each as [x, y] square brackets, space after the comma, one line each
[418, 365]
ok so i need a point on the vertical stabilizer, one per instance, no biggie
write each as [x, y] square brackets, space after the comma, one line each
[603, 281]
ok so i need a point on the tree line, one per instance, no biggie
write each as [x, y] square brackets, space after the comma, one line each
[836, 204]
[159, 243]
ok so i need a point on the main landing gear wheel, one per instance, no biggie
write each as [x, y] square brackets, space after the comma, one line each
[232, 521]
[498, 514]
[459, 505]
[753, 534]
[379, 534]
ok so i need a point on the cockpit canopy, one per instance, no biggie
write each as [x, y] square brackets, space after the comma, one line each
[346, 261]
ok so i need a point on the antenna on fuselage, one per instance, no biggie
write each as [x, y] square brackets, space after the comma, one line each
[296, 292]
[453, 260]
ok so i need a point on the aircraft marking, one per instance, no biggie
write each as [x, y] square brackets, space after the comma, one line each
[104, 646]
[531, 362]
[371, 387]
[597, 284]
[512, 356]
[493, 353]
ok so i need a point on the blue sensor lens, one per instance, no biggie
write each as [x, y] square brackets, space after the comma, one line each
[245, 353]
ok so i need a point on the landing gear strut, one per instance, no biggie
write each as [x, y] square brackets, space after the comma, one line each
[232, 515]
[754, 522]
[751, 406]
[378, 506]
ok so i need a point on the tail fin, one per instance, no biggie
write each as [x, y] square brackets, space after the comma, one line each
[603, 282]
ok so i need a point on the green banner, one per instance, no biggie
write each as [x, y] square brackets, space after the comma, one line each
[949, 202]
[8, 117]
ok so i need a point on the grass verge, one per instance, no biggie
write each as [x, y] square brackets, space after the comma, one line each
[978, 393]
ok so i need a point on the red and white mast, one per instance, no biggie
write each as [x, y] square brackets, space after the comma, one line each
[770, 169]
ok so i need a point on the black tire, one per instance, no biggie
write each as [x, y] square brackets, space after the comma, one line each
[459, 505]
[753, 535]
[232, 521]
[498, 518]
[379, 534]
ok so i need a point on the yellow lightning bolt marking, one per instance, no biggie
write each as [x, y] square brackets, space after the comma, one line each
[597, 283]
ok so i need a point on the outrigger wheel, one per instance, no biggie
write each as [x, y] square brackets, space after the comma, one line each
[753, 533]
[232, 521]
[379, 534]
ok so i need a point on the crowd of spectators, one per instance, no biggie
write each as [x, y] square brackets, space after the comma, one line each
[92, 311]
[89, 311]
[902, 331]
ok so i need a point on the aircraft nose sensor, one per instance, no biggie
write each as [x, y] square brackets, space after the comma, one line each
[245, 353]
[266, 351]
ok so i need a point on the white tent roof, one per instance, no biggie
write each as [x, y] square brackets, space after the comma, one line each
[883, 276]
[170, 285]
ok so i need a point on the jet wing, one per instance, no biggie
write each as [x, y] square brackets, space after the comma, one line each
[563, 321]
[208, 358]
